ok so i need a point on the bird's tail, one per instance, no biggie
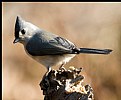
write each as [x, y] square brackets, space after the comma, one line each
[95, 51]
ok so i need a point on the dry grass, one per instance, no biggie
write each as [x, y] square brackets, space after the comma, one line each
[86, 24]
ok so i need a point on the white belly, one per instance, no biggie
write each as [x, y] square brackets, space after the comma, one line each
[52, 60]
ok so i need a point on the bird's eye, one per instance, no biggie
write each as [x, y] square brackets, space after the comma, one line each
[23, 31]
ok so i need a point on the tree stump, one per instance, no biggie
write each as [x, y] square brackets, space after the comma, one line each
[65, 84]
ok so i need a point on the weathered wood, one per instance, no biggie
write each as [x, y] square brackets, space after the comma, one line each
[65, 84]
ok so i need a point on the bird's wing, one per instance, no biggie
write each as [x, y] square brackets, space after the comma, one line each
[40, 46]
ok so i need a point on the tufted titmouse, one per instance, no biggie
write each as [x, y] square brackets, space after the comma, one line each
[47, 48]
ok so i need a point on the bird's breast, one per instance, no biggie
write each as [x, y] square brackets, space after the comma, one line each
[51, 60]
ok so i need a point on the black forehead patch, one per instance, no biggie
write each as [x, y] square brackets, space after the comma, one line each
[18, 26]
[16, 34]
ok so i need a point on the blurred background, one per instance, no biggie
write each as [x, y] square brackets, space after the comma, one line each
[95, 25]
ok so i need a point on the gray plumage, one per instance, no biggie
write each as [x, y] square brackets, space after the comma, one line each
[44, 45]
[47, 48]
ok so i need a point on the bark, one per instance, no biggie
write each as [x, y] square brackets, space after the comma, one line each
[65, 84]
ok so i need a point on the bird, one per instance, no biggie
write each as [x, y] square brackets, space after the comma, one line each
[48, 48]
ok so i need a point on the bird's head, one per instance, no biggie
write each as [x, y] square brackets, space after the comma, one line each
[23, 30]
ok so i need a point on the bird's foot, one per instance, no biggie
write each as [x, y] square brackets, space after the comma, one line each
[48, 71]
[62, 67]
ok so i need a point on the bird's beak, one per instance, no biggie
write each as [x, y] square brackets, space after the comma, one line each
[16, 40]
